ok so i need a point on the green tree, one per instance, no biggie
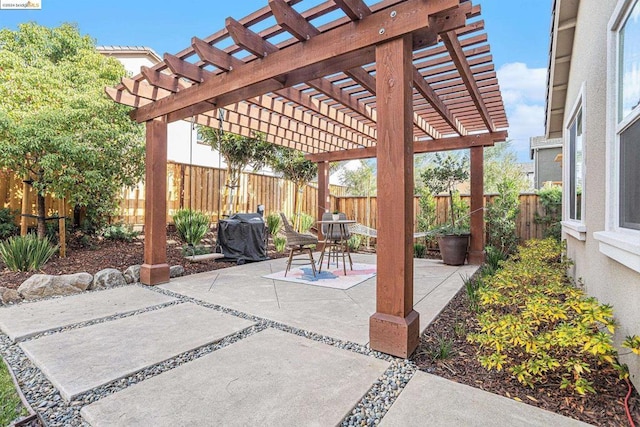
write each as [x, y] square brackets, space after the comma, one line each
[238, 152]
[501, 217]
[295, 168]
[501, 165]
[361, 181]
[443, 175]
[57, 127]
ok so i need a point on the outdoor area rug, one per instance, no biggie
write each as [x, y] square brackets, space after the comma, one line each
[332, 278]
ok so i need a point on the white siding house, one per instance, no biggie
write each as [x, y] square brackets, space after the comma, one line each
[182, 145]
[593, 98]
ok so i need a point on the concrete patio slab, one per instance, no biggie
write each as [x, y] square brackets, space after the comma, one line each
[78, 360]
[270, 378]
[431, 400]
[28, 319]
[341, 314]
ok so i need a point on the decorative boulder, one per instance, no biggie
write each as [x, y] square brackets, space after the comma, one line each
[132, 274]
[176, 271]
[107, 278]
[44, 285]
[9, 296]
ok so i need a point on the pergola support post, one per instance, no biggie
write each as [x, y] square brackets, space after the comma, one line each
[476, 247]
[324, 201]
[394, 328]
[155, 269]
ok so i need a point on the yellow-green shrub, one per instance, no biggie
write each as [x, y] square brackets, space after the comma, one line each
[537, 325]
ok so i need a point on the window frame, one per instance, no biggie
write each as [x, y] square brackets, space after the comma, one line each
[618, 243]
[571, 226]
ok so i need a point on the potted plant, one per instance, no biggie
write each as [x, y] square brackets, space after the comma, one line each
[336, 215]
[444, 175]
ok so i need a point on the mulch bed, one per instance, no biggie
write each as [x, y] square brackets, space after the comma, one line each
[604, 408]
[101, 254]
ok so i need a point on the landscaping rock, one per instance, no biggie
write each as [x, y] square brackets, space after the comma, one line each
[9, 296]
[132, 274]
[107, 278]
[176, 271]
[44, 285]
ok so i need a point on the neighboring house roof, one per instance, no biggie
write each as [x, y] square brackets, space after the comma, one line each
[563, 27]
[130, 50]
[538, 142]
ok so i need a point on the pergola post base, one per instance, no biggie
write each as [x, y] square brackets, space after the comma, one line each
[154, 274]
[476, 257]
[397, 336]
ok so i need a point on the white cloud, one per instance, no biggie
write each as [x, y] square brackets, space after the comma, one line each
[523, 91]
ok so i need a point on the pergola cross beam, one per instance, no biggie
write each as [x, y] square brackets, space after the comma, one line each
[342, 48]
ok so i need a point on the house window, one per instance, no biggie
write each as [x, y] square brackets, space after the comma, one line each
[629, 67]
[628, 133]
[630, 177]
[621, 238]
[576, 167]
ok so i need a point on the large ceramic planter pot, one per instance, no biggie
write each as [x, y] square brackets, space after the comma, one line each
[453, 248]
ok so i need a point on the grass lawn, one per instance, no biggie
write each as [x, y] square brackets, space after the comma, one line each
[10, 405]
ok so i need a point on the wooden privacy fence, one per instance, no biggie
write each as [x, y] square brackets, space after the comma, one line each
[364, 211]
[200, 188]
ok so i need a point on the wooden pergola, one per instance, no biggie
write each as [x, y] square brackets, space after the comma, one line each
[338, 80]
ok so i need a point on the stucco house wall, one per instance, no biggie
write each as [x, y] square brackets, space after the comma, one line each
[603, 277]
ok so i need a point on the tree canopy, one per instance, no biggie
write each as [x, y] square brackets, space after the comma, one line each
[295, 168]
[361, 181]
[57, 127]
[238, 152]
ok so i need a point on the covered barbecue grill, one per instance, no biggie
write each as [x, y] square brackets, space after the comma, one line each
[243, 237]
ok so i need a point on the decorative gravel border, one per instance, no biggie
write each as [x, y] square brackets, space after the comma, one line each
[57, 412]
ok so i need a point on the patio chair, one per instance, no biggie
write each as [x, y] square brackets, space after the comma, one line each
[298, 242]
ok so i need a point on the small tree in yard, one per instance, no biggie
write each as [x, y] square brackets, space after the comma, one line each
[57, 127]
[443, 176]
[295, 168]
[238, 152]
[501, 217]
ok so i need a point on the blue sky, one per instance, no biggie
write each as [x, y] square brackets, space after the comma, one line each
[518, 33]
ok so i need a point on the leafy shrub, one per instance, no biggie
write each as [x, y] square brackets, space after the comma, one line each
[274, 224]
[538, 326]
[279, 242]
[26, 253]
[191, 225]
[551, 201]
[501, 217]
[419, 250]
[354, 242]
[120, 232]
[306, 221]
[7, 223]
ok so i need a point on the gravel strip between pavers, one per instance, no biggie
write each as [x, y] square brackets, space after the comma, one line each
[45, 399]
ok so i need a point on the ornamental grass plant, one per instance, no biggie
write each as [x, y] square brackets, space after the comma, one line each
[26, 253]
[191, 225]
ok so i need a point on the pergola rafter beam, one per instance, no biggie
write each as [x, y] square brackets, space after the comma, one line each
[452, 43]
[218, 58]
[342, 48]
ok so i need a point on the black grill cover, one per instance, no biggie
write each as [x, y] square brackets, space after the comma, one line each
[242, 237]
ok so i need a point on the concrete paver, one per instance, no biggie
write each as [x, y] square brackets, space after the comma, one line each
[78, 360]
[431, 400]
[342, 314]
[28, 319]
[270, 378]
